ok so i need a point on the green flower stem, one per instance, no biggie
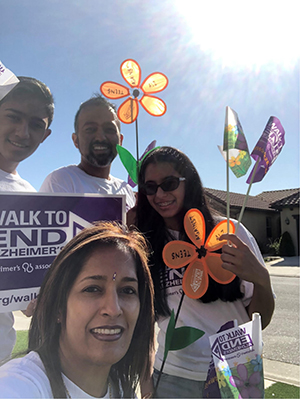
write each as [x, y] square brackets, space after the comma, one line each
[165, 357]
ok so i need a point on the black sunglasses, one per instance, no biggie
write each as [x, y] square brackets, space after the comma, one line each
[169, 184]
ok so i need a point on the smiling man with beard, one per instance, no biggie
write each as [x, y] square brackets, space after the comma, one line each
[97, 132]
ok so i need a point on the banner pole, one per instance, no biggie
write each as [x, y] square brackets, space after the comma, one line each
[227, 189]
[137, 144]
[136, 137]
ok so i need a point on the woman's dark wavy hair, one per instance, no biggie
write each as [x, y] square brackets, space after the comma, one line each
[44, 332]
[153, 226]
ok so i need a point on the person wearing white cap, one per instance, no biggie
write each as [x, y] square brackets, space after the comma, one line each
[26, 112]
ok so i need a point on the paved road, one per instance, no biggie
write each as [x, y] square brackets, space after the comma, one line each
[281, 337]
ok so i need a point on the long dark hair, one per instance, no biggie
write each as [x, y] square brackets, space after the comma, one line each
[153, 226]
[44, 330]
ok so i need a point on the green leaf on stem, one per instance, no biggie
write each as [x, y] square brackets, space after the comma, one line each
[181, 337]
[184, 336]
[129, 162]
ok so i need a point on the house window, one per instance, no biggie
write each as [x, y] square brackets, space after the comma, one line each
[269, 226]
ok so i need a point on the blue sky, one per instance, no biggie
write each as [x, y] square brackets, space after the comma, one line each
[216, 53]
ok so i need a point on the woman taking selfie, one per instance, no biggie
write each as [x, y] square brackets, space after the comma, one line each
[169, 186]
[92, 329]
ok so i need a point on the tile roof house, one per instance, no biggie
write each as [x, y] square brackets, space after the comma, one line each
[265, 215]
[290, 201]
[272, 196]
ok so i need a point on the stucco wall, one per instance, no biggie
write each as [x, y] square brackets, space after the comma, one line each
[256, 223]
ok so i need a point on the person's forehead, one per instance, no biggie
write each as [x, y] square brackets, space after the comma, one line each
[160, 170]
[122, 260]
[29, 106]
[98, 114]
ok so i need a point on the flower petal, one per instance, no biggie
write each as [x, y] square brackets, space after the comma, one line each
[154, 83]
[242, 371]
[255, 378]
[194, 225]
[216, 271]
[131, 72]
[236, 381]
[153, 105]
[195, 279]
[114, 90]
[128, 110]
[254, 392]
[244, 393]
[213, 242]
[177, 254]
[221, 380]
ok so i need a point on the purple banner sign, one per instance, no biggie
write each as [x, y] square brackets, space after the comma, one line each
[267, 149]
[33, 230]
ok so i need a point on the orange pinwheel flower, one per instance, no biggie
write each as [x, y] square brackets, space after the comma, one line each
[200, 256]
[129, 109]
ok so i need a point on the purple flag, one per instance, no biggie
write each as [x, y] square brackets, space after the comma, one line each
[267, 148]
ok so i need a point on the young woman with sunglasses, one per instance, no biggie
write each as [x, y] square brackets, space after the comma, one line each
[169, 186]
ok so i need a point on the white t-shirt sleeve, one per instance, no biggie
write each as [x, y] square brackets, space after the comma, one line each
[15, 385]
[24, 378]
[54, 183]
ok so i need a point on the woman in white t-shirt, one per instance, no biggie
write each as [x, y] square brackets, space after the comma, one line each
[93, 326]
[169, 185]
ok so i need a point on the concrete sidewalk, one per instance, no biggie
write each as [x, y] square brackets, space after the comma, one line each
[284, 267]
[275, 371]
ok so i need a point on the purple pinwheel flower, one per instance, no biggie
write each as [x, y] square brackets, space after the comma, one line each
[247, 386]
